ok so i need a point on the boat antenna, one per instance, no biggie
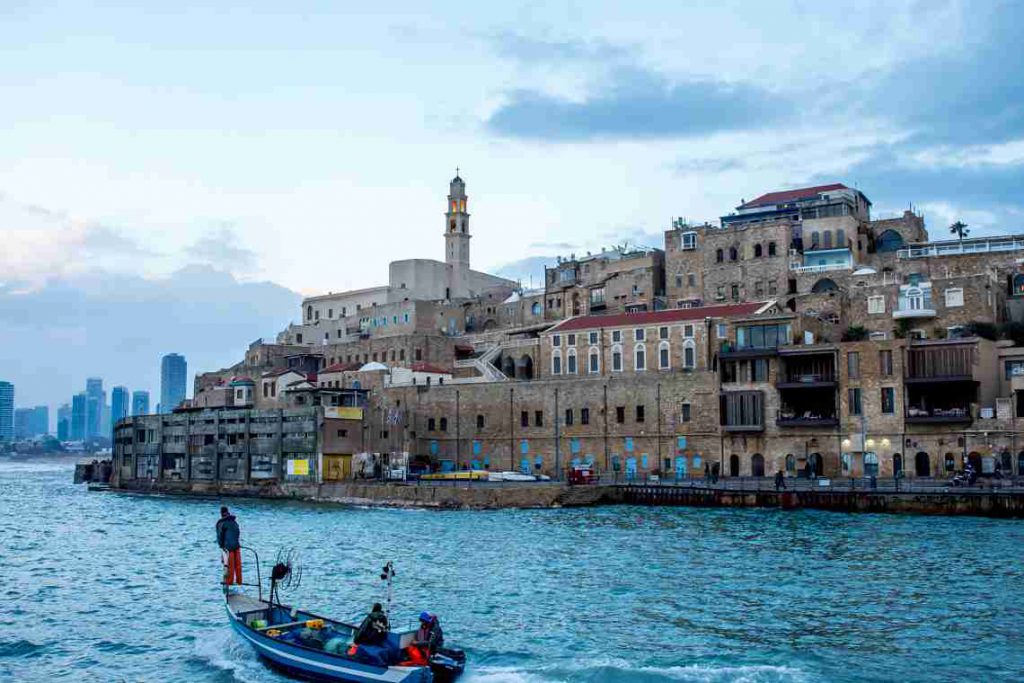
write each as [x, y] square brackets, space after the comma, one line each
[387, 574]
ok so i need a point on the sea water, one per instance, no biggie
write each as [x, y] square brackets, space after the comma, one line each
[116, 587]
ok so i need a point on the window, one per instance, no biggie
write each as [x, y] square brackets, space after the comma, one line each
[444, 424]
[733, 254]
[419, 354]
[639, 413]
[853, 365]
[593, 337]
[640, 357]
[571, 341]
[771, 248]
[757, 251]
[876, 305]
[664, 353]
[885, 362]
[684, 412]
[620, 414]
[524, 419]
[815, 238]
[535, 308]
[568, 417]
[431, 424]
[759, 288]
[723, 331]
[1014, 368]
[538, 418]
[594, 361]
[827, 237]
[954, 297]
[556, 362]
[772, 287]
[759, 370]
[718, 256]
[689, 354]
[679, 280]
[888, 400]
[720, 292]
[691, 279]
[689, 241]
[570, 362]
[584, 416]
[735, 292]
[854, 400]
[616, 359]
[638, 334]
[556, 340]
[479, 421]
[662, 333]
[616, 336]
[342, 433]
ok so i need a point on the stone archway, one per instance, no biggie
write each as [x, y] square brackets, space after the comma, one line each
[524, 367]
[757, 465]
[734, 465]
[922, 465]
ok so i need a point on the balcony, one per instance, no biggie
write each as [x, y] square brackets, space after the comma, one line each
[910, 313]
[957, 248]
[742, 411]
[819, 268]
[806, 421]
[940, 363]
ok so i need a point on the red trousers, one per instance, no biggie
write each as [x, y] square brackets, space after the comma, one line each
[233, 567]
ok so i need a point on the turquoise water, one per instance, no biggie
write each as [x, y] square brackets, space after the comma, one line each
[113, 587]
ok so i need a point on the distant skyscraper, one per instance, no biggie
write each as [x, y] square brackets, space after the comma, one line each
[173, 376]
[22, 420]
[64, 422]
[6, 411]
[95, 406]
[140, 403]
[39, 421]
[119, 404]
[79, 408]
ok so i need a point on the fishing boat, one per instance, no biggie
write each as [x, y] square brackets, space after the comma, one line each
[307, 645]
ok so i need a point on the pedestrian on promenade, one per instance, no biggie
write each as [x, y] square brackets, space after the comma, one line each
[229, 540]
[780, 481]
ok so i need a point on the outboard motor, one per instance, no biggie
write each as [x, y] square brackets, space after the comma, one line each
[447, 664]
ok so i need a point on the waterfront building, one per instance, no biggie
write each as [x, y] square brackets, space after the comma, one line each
[173, 379]
[119, 404]
[6, 411]
[96, 401]
[31, 422]
[64, 422]
[79, 416]
[140, 402]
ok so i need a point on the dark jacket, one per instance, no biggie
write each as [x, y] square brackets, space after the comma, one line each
[373, 630]
[430, 637]
[228, 533]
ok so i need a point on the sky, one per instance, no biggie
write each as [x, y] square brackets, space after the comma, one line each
[184, 173]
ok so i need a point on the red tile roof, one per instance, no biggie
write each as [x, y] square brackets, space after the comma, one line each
[674, 315]
[341, 367]
[427, 367]
[791, 195]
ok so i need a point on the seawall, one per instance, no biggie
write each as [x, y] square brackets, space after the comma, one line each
[984, 503]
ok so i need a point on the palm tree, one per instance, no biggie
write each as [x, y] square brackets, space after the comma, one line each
[960, 229]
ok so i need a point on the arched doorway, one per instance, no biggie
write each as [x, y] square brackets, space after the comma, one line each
[922, 465]
[576, 303]
[890, 240]
[897, 464]
[734, 465]
[974, 458]
[524, 367]
[824, 285]
[1005, 462]
[816, 464]
[870, 464]
[508, 366]
[757, 465]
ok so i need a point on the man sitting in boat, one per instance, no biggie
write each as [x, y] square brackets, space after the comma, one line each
[429, 635]
[374, 629]
[229, 540]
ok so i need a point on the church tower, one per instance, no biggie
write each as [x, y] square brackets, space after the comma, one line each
[456, 236]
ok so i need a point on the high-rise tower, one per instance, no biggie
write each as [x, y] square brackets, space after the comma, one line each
[456, 236]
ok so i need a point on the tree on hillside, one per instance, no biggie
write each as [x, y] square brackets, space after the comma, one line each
[960, 229]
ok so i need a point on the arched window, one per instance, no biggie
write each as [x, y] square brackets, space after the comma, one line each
[915, 298]
[639, 357]
[757, 465]
[889, 240]
[840, 238]
[815, 239]
[824, 285]
[664, 356]
[536, 308]
[594, 365]
[616, 358]
[309, 312]
[718, 255]
[556, 362]
[790, 463]
[771, 248]
[733, 254]
[757, 251]
[570, 361]
[689, 354]
[870, 464]
[444, 424]
[827, 239]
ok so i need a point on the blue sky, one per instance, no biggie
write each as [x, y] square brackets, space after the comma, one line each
[308, 144]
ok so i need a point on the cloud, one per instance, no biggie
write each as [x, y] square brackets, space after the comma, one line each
[529, 271]
[544, 51]
[222, 248]
[117, 326]
[638, 104]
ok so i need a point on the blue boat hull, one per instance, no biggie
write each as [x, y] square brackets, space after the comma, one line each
[315, 665]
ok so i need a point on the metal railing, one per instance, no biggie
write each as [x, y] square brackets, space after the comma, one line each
[958, 248]
[822, 268]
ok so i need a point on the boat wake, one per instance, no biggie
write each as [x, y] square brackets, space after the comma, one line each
[221, 651]
[622, 672]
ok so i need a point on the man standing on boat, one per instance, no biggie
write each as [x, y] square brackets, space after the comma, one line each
[229, 540]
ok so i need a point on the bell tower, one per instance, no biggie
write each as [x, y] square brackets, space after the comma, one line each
[456, 235]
